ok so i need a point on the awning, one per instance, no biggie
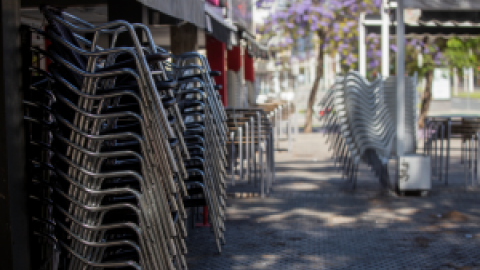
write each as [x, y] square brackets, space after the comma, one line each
[255, 49]
[218, 27]
[188, 10]
[443, 4]
[438, 24]
[434, 29]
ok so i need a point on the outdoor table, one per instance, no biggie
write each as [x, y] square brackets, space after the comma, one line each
[463, 126]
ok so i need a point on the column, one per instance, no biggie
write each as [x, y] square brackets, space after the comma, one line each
[400, 79]
[234, 66]
[385, 40]
[249, 75]
[362, 54]
[216, 55]
[14, 219]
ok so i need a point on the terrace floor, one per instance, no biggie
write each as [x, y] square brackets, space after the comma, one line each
[312, 220]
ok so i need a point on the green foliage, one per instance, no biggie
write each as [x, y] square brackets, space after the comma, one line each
[462, 53]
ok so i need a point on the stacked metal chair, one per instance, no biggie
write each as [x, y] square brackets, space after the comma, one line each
[114, 158]
[205, 137]
[252, 144]
[38, 122]
[360, 127]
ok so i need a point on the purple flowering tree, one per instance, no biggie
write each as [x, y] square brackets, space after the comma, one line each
[432, 57]
[335, 24]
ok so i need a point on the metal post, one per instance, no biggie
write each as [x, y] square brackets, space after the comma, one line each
[273, 156]
[465, 165]
[295, 123]
[385, 40]
[449, 128]
[252, 148]
[472, 164]
[240, 151]
[400, 79]
[280, 118]
[289, 130]
[232, 157]
[275, 122]
[262, 186]
[259, 135]
[455, 81]
[442, 130]
[478, 156]
[247, 152]
[362, 59]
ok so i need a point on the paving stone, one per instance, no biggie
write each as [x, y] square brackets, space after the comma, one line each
[323, 225]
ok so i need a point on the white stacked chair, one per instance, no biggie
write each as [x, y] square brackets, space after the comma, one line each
[359, 127]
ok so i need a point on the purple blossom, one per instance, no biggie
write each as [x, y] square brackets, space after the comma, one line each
[341, 47]
[348, 3]
[354, 8]
[393, 47]
[324, 23]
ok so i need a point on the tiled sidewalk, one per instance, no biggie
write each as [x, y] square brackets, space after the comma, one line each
[313, 221]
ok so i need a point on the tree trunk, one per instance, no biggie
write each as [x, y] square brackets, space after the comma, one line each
[426, 98]
[333, 55]
[313, 92]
